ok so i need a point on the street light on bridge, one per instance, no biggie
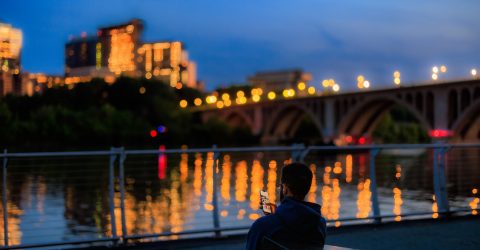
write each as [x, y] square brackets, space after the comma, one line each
[197, 101]
[473, 72]
[336, 88]
[436, 71]
[225, 96]
[362, 83]
[301, 86]
[183, 104]
[271, 95]
[366, 84]
[396, 77]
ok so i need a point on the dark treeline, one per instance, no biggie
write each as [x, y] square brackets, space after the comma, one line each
[97, 115]
[400, 126]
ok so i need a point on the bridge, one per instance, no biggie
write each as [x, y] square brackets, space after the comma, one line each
[448, 110]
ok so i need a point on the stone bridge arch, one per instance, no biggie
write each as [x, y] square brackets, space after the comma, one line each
[238, 118]
[466, 128]
[285, 120]
[364, 118]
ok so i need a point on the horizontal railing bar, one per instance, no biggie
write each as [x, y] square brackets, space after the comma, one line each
[220, 150]
[75, 242]
[238, 149]
[48, 154]
[394, 146]
[199, 231]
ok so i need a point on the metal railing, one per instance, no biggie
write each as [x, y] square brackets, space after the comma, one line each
[120, 171]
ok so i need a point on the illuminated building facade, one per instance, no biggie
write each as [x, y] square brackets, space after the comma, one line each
[10, 51]
[119, 45]
[118, 50]
[168, 61]
[83, 60]
[279, 80]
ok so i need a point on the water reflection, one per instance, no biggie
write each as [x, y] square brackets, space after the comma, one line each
[241, 181]
[330, 196]
[474, 203]
[272, 181]
[256, 184]
[364, 204]
[183, 199]
[397, 194]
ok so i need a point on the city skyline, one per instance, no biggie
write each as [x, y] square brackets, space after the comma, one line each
[231, 41]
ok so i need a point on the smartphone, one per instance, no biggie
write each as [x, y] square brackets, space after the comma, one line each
[264, 200]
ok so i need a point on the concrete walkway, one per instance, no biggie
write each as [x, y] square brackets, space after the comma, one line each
[453, 233]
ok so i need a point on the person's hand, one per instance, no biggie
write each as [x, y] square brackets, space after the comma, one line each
[272, 206]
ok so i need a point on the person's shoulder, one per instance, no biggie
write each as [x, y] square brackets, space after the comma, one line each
[266, 221]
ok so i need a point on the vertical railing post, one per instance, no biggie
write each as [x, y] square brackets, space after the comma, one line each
[122, 191]
[439, 180]
[215, 214]
[373, 182]
[111, 182]
[4, 199]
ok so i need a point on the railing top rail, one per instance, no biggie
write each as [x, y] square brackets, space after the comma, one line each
[116, 151]
[48, 154]
[219, 150]
[395, 146]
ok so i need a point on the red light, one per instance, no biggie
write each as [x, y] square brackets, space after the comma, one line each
[440, 133]
[349, 139]
[153, 133]
[162, 163]
[361, 140]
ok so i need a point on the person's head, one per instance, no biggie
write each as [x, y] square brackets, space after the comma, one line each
[295, 181]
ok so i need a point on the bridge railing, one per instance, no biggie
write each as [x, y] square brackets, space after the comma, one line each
[120, 196]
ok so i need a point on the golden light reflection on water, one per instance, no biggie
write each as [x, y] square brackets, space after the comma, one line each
[14, 220]
[197, 175]
[474, 203]
[183, 167]
[272, 181]
[157, 213]
[225, 183]
[256, 184]
[209, 182]
[331, 197]
[241, 181]
[434, 208]
[364, 204]
[348, 168]
[397, 195]
[397, 203]
[337, 169]
[157, 207]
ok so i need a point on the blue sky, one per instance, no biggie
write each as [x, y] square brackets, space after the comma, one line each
[231, 39]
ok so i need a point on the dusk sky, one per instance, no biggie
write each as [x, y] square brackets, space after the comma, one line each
[232, 39]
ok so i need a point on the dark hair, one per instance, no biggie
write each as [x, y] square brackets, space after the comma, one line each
[298, 178]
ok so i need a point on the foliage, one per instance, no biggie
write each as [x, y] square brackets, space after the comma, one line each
[98, 115]
[399, 126]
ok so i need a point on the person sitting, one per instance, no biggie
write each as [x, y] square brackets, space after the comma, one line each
[295, 221]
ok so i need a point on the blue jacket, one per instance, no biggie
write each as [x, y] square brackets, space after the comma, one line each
[294, 221]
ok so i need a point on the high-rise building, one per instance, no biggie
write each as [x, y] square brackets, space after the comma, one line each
[117, 50]
[120, 44]
[168, 61]
[279, 80]
[10, 51]
[83, 59]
